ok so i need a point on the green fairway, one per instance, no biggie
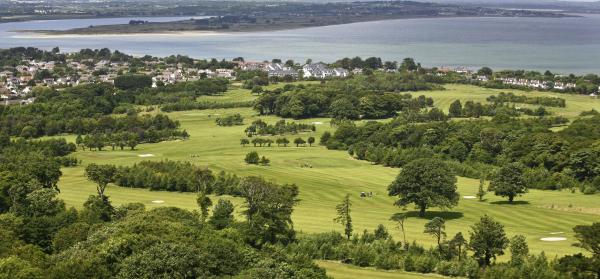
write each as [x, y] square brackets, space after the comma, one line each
[333, 174]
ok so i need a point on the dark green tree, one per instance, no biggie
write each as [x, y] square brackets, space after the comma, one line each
[487, 240]
[425, 183]
[343, 215]
[508, 182]
[101, 175]
[268, 211]
[310, 141]
[455, 109]
[222, 215]
[204, 203]
[252, 158]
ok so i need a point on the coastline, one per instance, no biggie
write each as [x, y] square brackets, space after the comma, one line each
[31, 34]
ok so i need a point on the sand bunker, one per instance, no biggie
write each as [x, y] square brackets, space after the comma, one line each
[553, 233]
[158, 201]
[146, 155]
[553, 239]
[317, 123]
[469, 197]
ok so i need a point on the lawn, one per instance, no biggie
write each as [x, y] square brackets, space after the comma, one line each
[443, 98]
[332, 175]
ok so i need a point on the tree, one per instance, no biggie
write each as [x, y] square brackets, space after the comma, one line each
[481, 191]
[325, 138]
[518, 250]
[437, 228]
[509, 182]
[487, 240]
[222, 215]
[252, 158]
[589, 238]
[299, 141]
[79, 141]
[485, 71]
[426, 183]
[128, 82]
[268, 211]
[244, 142]
[204, 203]
[343, 108]
[285, 142]
[311, 140]
[343, 215]
[101, 175]
[132, 140]
[458, 241]
[97, 209]
[408, 64]
[455, 109]
[400, 218]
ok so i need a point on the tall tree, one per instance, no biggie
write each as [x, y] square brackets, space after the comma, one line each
[222, 215]
[455, 109]
[437, 228]
[487, 240]
[204, 203]
[400, 218]
[509, 182]
[518, 250]
[426, 183]
[343, 215]
[310, 141]
[458, 241]
[101, 175]
[481, 191]
[268, 211]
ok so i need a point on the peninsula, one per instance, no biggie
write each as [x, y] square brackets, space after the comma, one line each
[250, 17]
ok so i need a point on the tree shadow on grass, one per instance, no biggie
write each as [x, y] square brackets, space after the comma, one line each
[446, 215]
[508, 203]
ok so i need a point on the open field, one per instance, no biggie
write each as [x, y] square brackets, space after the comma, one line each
[443, 98]
[333, 174]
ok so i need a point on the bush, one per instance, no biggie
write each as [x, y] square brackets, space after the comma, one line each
[425, 264]
[252, 158]
[387, 261]
[230, 120]
[363, 255]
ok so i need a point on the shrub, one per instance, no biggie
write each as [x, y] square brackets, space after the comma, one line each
[252, 158]
[387, 261]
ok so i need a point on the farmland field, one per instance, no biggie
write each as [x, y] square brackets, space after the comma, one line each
[333, 174]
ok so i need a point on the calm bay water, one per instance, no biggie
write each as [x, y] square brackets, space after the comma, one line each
[559, 44]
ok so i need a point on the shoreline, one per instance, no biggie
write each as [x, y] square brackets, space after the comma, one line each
[31, 34]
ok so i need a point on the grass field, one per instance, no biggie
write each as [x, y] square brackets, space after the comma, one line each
[333, 174]
[443, 98]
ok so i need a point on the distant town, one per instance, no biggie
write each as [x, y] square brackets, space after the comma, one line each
[17, 81]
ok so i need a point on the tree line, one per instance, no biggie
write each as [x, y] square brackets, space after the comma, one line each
[357, 97]
[260, 142]
[80, 110]
[281, 127]
[512, 98]
[176, 176]
[548, 160]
